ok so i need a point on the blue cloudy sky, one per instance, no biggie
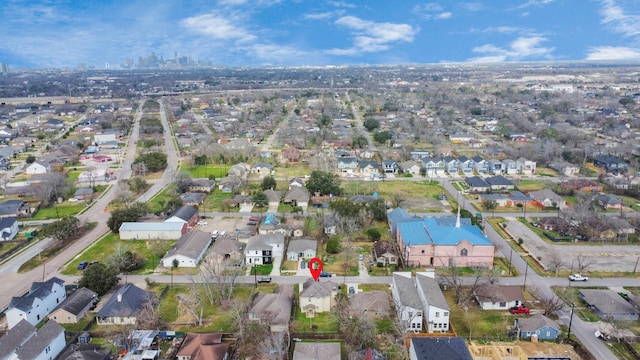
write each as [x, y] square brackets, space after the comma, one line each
[66, 33]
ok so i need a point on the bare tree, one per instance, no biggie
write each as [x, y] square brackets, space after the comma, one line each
[218, 278]
[275, 345]
[556, 262]
[549, 304]
[149, 317]
[192, 303]
[452, 277]
[583, 262]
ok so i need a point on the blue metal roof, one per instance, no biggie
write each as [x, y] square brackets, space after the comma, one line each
[441, 231]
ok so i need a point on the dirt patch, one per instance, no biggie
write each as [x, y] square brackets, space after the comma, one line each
[546, 349]
[423, 204]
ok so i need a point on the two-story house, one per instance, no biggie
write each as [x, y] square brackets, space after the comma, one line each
[42, 299]
[262, 248]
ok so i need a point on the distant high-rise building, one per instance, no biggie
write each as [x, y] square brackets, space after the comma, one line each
[4, 68]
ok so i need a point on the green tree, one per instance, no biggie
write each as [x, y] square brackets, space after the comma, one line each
[333, 246]
[99, 278]
[371, 124]
[172, 205]
[130, 213]
[373, 234]
[324, 182]
[30, 159]
[269, 182]
[260, 199]
[378, 209]
[138, 185]
[626, 101]
[489, 205]
[381, 136]
[359, 142]
[200, 159]
[62, 230]
[154, 161]
[324, 120]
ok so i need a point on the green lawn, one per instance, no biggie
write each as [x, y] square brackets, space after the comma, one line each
[409, 189]
[324, 322]
[109, 245]
[204, 171]
[60, 210]
[532, 185]
[475, 322]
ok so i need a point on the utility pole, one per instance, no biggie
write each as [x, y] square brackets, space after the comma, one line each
[570, 321]
[526, 271]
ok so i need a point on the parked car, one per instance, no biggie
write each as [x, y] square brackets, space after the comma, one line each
[223, 233]
[83, 265]
[214, 234]
[519, 310]
[252, 223]
[303, 265]
[264, 279]
[202, 222]
[325, 274]
[253, 218]
[93, 262]
[352, 290]
[360, 257]
[578, 277]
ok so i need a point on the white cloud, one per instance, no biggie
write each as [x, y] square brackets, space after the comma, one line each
[535, 3]
[522, 48]
[218, 27]
[253, 2]
[432, 11]
[472, 6]
[277, 53]
[613, 53]
[341, 4]
[324, 15]
[614, 16]
[370, 36]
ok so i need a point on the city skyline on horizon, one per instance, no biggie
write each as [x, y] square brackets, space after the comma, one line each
[244, 33]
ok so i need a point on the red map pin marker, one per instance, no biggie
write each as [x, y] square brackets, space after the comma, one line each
[315, 270]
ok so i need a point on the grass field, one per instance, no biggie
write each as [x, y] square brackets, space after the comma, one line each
[322, 322]
[110, 245]
[60, 210]
[532, 185]
[204, 171]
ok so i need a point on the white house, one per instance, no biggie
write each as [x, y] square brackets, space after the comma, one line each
[407, 302]
[188, 250]
[499, 297]
[100, 139]
[262, 248]
[8, 228]
[317, 297]
[38, 167]
[301, 249]
[42, 298]
[23, 341]
[419, 299]
[152, 230]
[124, 306]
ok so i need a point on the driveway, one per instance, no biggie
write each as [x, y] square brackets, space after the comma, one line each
[277, 262]
[246, 208]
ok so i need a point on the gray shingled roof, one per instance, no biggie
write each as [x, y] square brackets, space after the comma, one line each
[77, 301]
[432, 291]
[453, 348]
[190, 244]
[38, 290]
[607, 301]
[276, 307]
[36, 344]
[185, 212]
[15, 337]
[536, 322]
[317, 288]
[300, 245]
[407, 292]
[133, 300]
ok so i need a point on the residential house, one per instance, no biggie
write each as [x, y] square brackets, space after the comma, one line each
[498, 297]
[435, 308]
[434, 167]
[582, 185]
[5, 164]
[83, 193]
[385, 253]
[42, 298]
[432, 348]
[480, 165]
[273, 309]
[369, 168]
[145, 230]
[74, 307]
[38, 167]
[8, 152]
[188, 250]
[262, 248]
[460, 138]
[192, 198]
[238, 200]
[407, 302]
[495, 167]
[230, 184]
[123, 307]
[565, 168]
[99, 139]
[347, 165]
[185, 214]
[442, 241]
[554, 224]
[317, 297]
[451, 165]
[201, 185]
[270, 224]
[608, 305]
[295, 183]
[84, 351]
[301, 249]
[273, 197]
[317, 351]
[500, 182]
[329, 224]
[227, 249]
[8, 228]
[23, 341]
[608, 201]
[611, 164]
[546, 198]
[390, 166]
[93, 176]
[297, 196]
[262, 169]
[526, 167]
[205, 346]
[477, 184]
[510, 167]
[538, 325]
[410, 167]
[372, 304]
[510, 199]
[466, 165]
